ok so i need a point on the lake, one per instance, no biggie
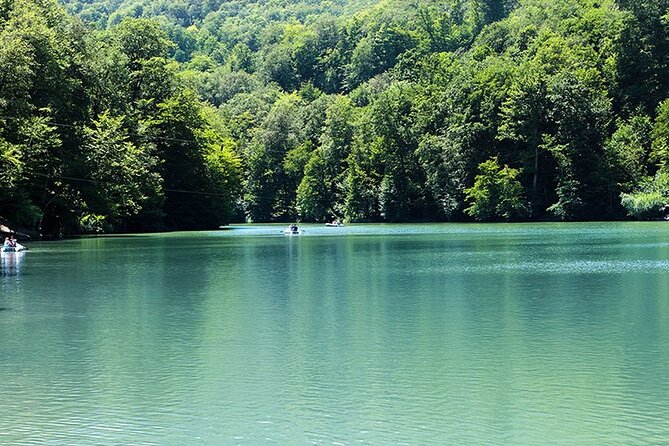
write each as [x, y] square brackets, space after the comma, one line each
[369, 334]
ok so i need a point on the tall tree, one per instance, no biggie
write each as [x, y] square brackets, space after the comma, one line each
[126, 178]
[496, 194]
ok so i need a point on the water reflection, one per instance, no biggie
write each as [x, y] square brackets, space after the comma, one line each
[519, 335]
[11, 263]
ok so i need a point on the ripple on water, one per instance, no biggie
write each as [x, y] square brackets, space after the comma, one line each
[427, 335]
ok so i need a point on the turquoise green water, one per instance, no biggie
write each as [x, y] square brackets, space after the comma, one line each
[429, 334]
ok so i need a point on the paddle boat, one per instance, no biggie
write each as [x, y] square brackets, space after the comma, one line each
[16, 247]
[292, 230]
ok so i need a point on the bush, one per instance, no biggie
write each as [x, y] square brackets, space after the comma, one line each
[646, 204]
[496, 193]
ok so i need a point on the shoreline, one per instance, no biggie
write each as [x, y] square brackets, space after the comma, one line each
[8, 229]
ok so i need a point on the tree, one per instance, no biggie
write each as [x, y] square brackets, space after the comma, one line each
[314, 200]
[650, 193]
[43, 199]
[647, 202]
[401, 193]
[643, 60]
[579, 112]
[320, 194]
[280, 66]
[524, 121]
[445, 172]
[628, 151]
[198, 168]
[268, 194]
[141, 39]
[494, 10]
[496, 193]
[367, 110]
[126, 178]
[660, 136]
[16, 73]
[224, 177]
[364, 167]
[377, 52]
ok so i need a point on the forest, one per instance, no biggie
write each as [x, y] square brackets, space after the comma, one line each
[138, 115]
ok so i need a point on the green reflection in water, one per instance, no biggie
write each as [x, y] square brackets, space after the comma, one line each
[428, 334]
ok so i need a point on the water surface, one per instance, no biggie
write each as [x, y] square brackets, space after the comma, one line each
[371, 334]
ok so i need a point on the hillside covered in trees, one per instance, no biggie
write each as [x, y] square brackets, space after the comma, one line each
[129, 115]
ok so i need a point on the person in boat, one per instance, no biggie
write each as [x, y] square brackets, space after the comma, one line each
[13, 242]
[7, 245]
[293, 228]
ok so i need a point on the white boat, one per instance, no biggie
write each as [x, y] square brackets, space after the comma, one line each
[292, 230]
[18, 248]
[335, 224]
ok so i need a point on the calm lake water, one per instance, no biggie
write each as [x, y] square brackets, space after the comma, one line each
[427, 334]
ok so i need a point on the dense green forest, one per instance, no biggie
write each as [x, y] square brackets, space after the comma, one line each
[131, 115]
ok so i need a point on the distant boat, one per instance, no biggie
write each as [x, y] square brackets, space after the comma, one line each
[18, 248]
[292, 230]
[335, 224]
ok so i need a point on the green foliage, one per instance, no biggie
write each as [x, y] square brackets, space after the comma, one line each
[401, 191]
[141, 39]
[321, 188]
[647, 203]
[643, 54]
[496, 194]
[660, 136]
[444, 171]
[650, 194]
[11, 165]
[16, 66]
[268, 193]
[126, 175]
[89, 126]
[32, 163]
[199, 167]
[361, 202]
[180, 114]
[94, 224]
[224, 178]
[627, 153]
[314, 192]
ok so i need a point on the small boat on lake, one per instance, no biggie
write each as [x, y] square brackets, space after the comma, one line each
[15, 249]
[292, 230]
[335, 224]
[13, 246]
